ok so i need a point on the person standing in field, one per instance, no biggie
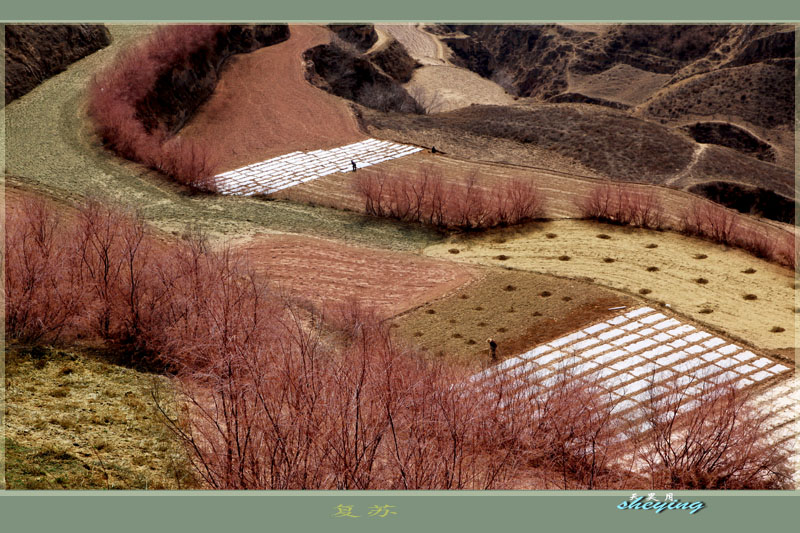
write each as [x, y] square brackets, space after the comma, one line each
[492, 348]
[354, 165]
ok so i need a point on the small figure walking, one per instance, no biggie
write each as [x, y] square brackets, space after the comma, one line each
[492, 348]
[354, 165]
[434, 150]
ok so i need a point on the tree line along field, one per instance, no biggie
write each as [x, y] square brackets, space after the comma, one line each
[269, 332]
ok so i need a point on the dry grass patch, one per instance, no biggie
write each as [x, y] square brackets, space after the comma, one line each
[744, 319]
[80, 422]
[514, 319]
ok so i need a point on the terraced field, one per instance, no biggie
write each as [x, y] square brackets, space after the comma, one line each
[640, 356]
[325, 272]
[252, 117]
[728, 289]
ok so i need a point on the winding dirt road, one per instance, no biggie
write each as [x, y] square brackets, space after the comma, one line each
[420, 44]
[438, 85]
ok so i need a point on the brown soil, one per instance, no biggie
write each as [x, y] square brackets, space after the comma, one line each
[516, 319]
[14, 199]
[264, 107]
[324, 271]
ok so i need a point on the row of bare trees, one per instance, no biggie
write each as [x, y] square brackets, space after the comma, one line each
[115, 93]
[273, 396]
[102, 273]
[295, 413]
[619, 204]
[623, 204]
[429, 199]
[723, 225]
[69, 279]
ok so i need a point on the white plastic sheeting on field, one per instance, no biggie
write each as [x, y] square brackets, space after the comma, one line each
[295, 168]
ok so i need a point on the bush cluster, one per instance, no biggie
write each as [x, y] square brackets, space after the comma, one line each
[428, 199]
[116, 95]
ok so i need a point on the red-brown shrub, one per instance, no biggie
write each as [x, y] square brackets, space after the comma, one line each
[786, 250]
[42, 296]
[716, 223]
[426, 198]
[117, 92]
[619, 204]
[757, 243]
[720, 444]
[712, 221]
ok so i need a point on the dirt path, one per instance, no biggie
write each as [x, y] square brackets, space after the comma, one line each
[686, 172]
[264, 107]
[669, 271]
[383, 40]
[420, 44]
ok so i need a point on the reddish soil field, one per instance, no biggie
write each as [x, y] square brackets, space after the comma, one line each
[324, 271]
[264, 107]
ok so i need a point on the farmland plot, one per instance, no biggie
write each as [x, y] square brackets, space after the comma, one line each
[639, 357]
